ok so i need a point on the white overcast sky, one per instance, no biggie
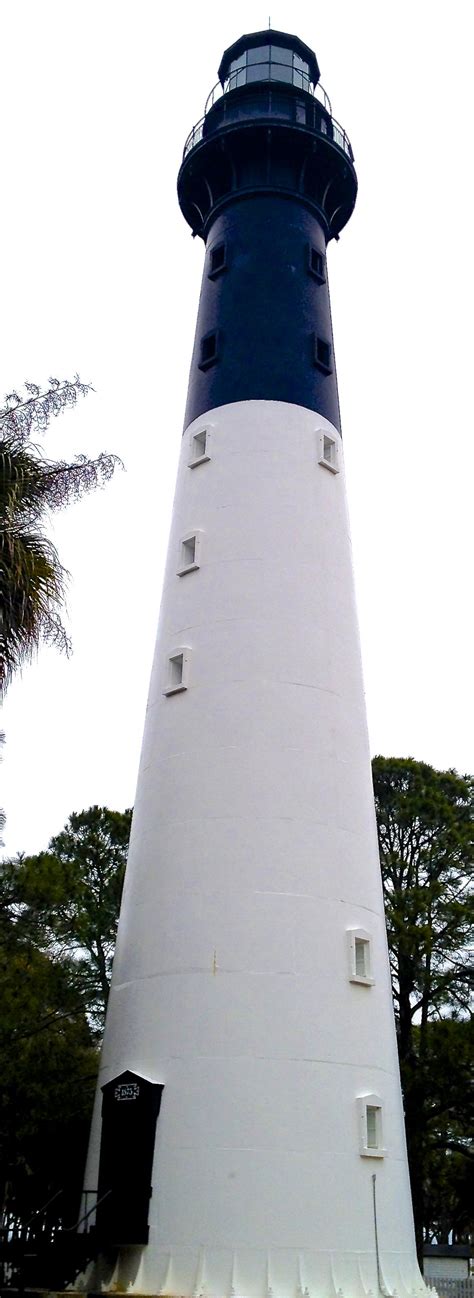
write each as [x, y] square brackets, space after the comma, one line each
[100, 275]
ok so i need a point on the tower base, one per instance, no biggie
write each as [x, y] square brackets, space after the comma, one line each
[252, 1273]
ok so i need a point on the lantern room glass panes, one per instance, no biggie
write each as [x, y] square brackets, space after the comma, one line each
[269, 63]
[237, 72]
[300, 73]
[258, 63]
[282, 64]
[279, 54]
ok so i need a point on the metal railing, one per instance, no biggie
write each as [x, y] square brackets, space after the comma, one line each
[331, 130]
[240, 78]
[194, 137]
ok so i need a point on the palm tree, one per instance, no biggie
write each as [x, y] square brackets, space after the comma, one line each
[32, 579]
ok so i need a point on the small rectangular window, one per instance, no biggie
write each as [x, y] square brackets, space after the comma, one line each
[370, 1126]
[361, 947]
[317, 264]
[189, 549]
[371, 1113]
[328, 452]
[217, 260]
[329, 449]
[323, 355]
[199, 450]
[360, 961]
[208, 350]
[177, 670]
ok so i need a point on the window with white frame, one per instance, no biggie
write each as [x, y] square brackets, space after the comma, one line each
[177, 671]
[328, 452]
[199, 448]
[360, 956]
[189, 551]
[370, 1126]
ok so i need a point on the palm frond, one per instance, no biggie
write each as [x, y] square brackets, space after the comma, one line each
[32, 589]
[32, 579]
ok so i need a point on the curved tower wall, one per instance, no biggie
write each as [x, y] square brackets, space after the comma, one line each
[251, 975]
[267, 309]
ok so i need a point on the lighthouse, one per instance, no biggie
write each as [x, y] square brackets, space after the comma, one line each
[248, 1136]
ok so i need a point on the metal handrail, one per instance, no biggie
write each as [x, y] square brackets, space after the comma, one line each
[339, 136]
[68, 1230]
[39, 1212]
[342, 138]
[318, 91]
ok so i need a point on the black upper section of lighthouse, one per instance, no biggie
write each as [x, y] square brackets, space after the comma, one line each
[265, 128]
[267, 179]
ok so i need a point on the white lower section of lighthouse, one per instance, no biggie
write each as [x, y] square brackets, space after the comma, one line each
[251, 975]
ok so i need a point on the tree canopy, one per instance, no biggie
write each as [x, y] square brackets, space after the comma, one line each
[449, 1156]
[58, 918]
[425, 830]
[69, 897]
[32, 578]
[48, 1069]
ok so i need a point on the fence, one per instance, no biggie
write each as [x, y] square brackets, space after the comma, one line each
[451, 1288]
